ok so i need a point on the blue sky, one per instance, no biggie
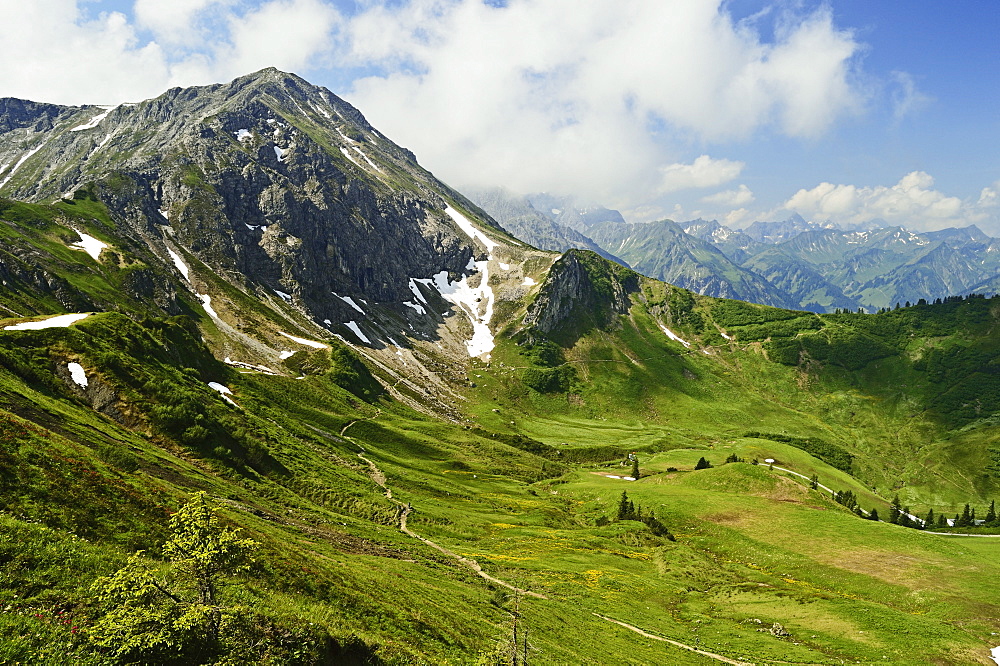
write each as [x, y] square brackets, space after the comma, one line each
[845, 110]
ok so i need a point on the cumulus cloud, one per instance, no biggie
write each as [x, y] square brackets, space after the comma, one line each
[990, 196]
[54, 53]
[174, 21]
[64, 55]
[912, 202]
[564, 95]
[285, 34]
[741, 196]
[703, 172]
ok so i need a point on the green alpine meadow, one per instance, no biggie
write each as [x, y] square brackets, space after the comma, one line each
[271, 393]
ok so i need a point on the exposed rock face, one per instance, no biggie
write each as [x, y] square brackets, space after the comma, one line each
[270, 182]
[583, 289]
[19, 272]
[20, 114]
[273, 214]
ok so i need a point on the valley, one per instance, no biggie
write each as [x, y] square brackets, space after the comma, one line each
[424, 422]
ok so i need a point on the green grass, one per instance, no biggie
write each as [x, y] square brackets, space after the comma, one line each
[87, 478]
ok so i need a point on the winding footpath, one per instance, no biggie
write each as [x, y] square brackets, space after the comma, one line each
[646, 634]
[378, 476]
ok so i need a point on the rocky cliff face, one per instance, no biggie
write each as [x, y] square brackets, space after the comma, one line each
[582, 290]
[266, 177]
[268, 190]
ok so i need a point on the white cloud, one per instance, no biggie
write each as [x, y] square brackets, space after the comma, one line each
[741, 196]
[173, 21]
[52, 53]
[703, 172]
[590, 96]
[286, 34]
[912, 202]
[907, 98]
[990, 196]
[63, 56]
[735, 219]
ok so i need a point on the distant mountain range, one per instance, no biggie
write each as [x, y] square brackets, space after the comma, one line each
[792, 263]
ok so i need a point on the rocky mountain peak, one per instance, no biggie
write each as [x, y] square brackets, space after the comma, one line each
[269, 192]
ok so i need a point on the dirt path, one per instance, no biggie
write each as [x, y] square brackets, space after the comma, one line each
[378, 476]
[711, 655]
[472, 564]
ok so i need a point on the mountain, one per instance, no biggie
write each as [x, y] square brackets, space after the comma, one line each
[826, 268]
[736, 245]
[269, 196]
[958, 234]
[782, 230]
[801, 280]
[566, 212]
[880, 267]
[287, 340]
[518, 216]
[663, 250]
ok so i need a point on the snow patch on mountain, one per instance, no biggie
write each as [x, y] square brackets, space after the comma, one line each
[674, 336]
[470, 229]
[89, 244]
[77, 374]
[349, 301]
[24, 158]
[223, 391]
[353, 325]
[179, 263]
[303, 341]
[206, 302]
[59, 321]
[416, 290]
[476, 302]
[419, 308]
[95, 120]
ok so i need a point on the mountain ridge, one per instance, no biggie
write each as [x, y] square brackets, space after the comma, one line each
[430, 478]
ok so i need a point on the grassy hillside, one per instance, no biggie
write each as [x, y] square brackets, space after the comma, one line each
[320, 472]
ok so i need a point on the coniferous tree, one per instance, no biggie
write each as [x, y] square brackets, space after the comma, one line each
[903, 519]
[929, 520]
[814, 482]
[991, 514]
[956, 521]
[623, 507]
[873, 515]
[702, 463]
[635, 467]
[894, 510]
[942, 521]
[966, 518]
